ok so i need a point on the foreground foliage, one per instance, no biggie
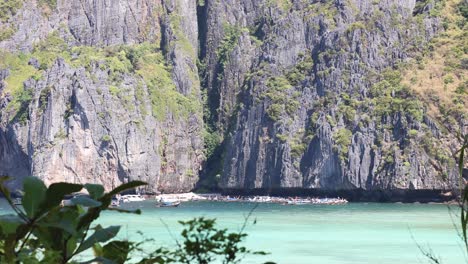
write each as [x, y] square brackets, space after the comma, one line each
[463, 203]
[464, 198]
[45, 231]
[203, 243]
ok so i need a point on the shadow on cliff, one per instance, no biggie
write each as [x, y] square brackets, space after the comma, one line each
[14, 161]
[212, 170]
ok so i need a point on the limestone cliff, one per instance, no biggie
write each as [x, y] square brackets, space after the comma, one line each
[336, 94]
[312, 94]
[105, 91]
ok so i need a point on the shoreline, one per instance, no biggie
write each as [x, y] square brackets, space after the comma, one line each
[217, 197]
[282, 196]
[353, 195]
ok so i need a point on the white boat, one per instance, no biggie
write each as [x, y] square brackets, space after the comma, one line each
[300, 202]
[115, 203]
[132, 198]
[181, 197]
[169, 200]
[17, 201]
[168, 204]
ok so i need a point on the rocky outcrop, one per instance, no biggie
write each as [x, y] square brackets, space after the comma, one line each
[281, 94]
[87, 122]
[299, 86]
[92, 23]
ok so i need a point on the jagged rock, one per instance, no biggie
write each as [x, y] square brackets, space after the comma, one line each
[77, 130]
[347, 40]
[34, 62]
[289, 85]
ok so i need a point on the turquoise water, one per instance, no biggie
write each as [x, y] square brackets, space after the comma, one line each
[345, 234]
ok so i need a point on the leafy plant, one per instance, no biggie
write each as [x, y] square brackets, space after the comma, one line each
[212, 140]
[464, 193]
[6, 32]
[299, 71]
[463, 201]
[23, 100]
[204, 243]
[282, 97]
[106, 138]
[50, 3]
[45, 231]
[343, 138]
[9, 9]
[227, 45]
[390, 96]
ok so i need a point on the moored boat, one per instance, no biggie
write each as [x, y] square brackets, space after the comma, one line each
[115, 202]
[182, 197]
[298, 202]
[132, 198]
[17, 201]
[168, 204]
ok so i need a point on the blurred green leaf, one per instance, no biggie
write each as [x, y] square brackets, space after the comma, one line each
[57, 191]
[136, 211]
[85, 201]
[34, 195]
[95, 190]
[3, 188]
[71, 245]
[63, 224]
[9, 223]
[116, 251]
[126, 186]
[97, 250]
[99, 260]
[100, 235]
[107, 198]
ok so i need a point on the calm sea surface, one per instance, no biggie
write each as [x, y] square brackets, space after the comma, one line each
[352, 233]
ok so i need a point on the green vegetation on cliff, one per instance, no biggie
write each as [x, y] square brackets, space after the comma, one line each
[318, 74]
[144, 60]
[228, 43]
[389, 97]
[163, 94]
[9, 8]
[6, 32]
[281, 93]
[438, 76]
[342, 138]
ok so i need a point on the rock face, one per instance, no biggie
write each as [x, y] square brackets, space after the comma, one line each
[301, 94]
[82, 124]
[302, 101]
